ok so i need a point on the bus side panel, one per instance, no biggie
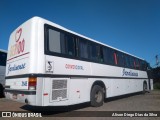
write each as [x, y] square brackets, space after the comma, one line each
[47, 84]
[64, 66]
[121, 83]
[126, 86]
[79, 90]
[39, 91]
[55, 92]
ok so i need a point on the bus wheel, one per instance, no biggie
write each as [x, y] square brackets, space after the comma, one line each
[144, 87]
[97, 96]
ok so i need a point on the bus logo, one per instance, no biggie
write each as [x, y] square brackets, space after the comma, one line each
[129, 73]
[19, 45]
[49, 66]
[74, 67]
[18, 34]
[16, 67]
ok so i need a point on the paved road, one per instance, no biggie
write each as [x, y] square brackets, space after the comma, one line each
[136, 102]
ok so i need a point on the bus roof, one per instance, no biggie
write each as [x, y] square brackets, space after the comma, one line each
[72, 32]
[65, 29]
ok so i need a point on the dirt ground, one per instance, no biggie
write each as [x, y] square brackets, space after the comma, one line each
[123, 104]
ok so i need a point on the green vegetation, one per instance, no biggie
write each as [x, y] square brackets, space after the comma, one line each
[156, 86]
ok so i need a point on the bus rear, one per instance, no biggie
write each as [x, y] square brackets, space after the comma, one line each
[29, 72]
[21, 62]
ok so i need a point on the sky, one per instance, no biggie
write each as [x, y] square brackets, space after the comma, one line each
[129, 25]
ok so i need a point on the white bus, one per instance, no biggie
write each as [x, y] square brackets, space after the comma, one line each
[3, 57]
[49, 65]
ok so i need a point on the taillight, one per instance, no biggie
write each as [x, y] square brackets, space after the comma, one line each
[32, 82]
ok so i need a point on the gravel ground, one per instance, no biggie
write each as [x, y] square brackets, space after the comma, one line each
[135, 102]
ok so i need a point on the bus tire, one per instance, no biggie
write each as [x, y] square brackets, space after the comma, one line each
[144, 87]
[97, 96]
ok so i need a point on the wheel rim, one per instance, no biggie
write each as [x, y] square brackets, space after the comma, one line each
[98, 96]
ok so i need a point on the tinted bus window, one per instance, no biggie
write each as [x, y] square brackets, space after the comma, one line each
[108, 54]
[120, 59]
[137, 63]
[93, 51]
[127, 61]
[140, 64]
[111, 57]
[115, 58]
[143, 65]
[83, 48]
[70, 45]
[100, 54]
[131, 62]
[54, 41]
[61, 42]
[105, 55]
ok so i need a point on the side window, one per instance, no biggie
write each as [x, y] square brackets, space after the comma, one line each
[131, 62]
[83, 48]
[108, 54]
[115, 58]
[54, 41]
[136, 63]
[111, 56]
[105, 54]
[61, 42]
[144, 65]
[93, 51]
[140, 65]
[100, 54]
[70, 45]
[120, 59]
[127, 61]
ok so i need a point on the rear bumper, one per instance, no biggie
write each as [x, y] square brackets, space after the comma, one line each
[20, 92]
[28, 97]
